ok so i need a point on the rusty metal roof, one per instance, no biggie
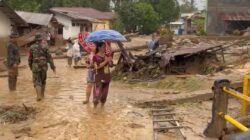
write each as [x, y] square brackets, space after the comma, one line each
[35, 18]
[81, 12]
[236, 16]
[78, 16]
[193, 50]
[11, 14]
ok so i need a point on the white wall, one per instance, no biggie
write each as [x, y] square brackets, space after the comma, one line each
[5, 25]
[75, 30]
[68, 30]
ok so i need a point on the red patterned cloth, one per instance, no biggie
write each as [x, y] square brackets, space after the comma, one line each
[87, 45]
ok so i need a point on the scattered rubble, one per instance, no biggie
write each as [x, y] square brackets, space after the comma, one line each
[15, 114]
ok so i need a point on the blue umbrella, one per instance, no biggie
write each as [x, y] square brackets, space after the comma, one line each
[107, 35]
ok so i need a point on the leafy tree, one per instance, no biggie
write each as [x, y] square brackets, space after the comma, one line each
[102, 5]
[169, 10]
[45, 5]
[188, 7]
[140, 16]
[24, 5]
[117, 24]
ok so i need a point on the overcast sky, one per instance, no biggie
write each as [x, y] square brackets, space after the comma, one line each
[200, 4]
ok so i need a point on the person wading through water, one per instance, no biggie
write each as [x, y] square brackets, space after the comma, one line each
[90, 74]
[69, 48]
[102, 74]
[39, 56]
[13, 60]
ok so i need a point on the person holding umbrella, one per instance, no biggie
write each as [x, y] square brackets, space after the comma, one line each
[102, 60]
[102, 74]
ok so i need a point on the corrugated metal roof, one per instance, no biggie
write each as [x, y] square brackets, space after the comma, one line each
[77, 12]
[11, 14]
[193, 50]
[78, 16]
[35, 18]
[236, 16]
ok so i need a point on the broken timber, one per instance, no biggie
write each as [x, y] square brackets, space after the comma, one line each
[159, 121]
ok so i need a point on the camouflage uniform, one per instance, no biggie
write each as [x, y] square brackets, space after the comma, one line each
[38, 58]
[13, 60]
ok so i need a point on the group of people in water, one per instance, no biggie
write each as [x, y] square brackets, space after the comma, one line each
[98, 63]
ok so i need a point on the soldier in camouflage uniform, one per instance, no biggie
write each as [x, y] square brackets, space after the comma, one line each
[13, 60]
[39, 57]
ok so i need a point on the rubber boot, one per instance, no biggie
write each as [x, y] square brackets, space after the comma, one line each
[11, 81]
[43, 91]
[39, 93]
[14, 82]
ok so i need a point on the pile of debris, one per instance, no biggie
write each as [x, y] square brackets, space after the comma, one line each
[15, 114]
[199, 59]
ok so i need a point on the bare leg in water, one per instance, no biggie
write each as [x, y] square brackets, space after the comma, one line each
[88, 92]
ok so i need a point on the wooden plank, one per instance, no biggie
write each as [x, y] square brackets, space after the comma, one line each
[182, 133]
[167, 128]
[165, 120]
[163, 109]
[163, 114]
[3, 76]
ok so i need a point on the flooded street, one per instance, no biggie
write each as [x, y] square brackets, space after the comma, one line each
[62, 116]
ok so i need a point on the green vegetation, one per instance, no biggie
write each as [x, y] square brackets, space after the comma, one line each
[117, 24]
[146, 16]
[200, 26]
[45, 5]
[188, 6]
[139, 16]
[171, 82]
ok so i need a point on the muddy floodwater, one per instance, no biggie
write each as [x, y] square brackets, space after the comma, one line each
[62, 116]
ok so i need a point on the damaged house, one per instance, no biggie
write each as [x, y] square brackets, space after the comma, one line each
[78, 19]
[10, 22]
[225, 16]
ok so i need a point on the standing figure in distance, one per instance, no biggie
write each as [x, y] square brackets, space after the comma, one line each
[153, 44]
[39, 57]
[76, 52]
[90, 74]
[13, 60]
[69, 48]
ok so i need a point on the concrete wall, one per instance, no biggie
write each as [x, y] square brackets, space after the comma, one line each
[67, 29]
[5, 25]
[217, 7]
[72, 31]
[104, 25]
[5, 30]
[3, 50]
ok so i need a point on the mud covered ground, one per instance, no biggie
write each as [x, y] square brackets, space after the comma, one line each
[63, 116]
[126, 116]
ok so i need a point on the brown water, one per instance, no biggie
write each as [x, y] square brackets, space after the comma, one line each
[62, 116]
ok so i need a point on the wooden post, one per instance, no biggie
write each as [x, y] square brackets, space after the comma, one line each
[220, 103]
[124, 53]
[222, 54]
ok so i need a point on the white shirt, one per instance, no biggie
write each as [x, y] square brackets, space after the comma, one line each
[76, 50]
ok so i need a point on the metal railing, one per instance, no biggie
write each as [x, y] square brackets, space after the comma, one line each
[221, 91]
